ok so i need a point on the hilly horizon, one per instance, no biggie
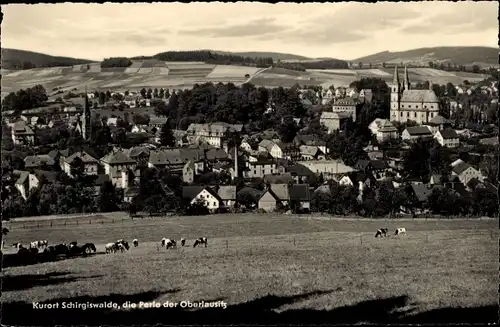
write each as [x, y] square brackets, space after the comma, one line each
[482, 56]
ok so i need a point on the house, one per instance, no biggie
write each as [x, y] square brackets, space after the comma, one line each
[356, 179]
[465, 172]
[36, 162]
[346, 106]
[308, 152]
[22, 183]
[140, 154]
[447, 138]
[227, 195]
[333, 121]
[22, 133]
[272, 148]
[310, 140]
[330, 169]
[156, 121]
[414, 133]
[260, 168]
[90, 164]
[300, 197]
[437, 123]
[340, 92]
[376, 167]
[275, 197]
[166, 158]
[214, 134]
[203, 194]
[121, 169]
[422, 193]
[383, 129]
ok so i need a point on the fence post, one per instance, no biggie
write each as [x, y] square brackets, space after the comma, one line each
[426, 237]
[51, 224]
[294, 241]
[491, 233]
[77, 223]
[361, 239]
[90, 222]
[37, 224]
[65, 223]
[227, 245]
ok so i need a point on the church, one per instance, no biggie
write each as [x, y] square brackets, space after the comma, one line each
[407, 104]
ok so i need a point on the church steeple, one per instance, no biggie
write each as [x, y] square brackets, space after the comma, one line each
[407, 83]
[395, 81]
[86, 117]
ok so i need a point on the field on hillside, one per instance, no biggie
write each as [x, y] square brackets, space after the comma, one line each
[153, 73]
[271, 266]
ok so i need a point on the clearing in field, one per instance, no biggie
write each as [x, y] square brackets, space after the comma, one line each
[266, 269]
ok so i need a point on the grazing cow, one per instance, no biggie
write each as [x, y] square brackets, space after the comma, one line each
[17, 245]
[382, 232]
[34, 244]
[136, 242]
[168, 243]
[43, 243]
[61, 249]
[400, 231]
[122, 246]
[111, 247]
[201, 240]
[183, 241]
[72, 244]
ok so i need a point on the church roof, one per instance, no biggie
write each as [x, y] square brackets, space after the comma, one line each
[419, 96]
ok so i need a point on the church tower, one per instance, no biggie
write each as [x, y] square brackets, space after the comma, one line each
[395, 96]
[407, 84]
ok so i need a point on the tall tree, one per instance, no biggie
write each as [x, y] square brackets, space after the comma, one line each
[166, 135]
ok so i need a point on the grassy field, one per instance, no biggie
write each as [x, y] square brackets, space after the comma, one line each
[266, 268]
[158, 74]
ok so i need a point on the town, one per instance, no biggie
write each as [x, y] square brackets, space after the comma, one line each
[370, 149]
[250, 163]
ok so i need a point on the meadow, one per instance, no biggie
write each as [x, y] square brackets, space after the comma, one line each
[153, 73]
[267, 268]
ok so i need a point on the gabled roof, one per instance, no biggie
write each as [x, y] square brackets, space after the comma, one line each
[419, 96]
[137, 151]
[278, 179]
[190, 192]
[418, 130]
[50, 176]
[23, 176]
[300, 192]
[119, 157]
[438, 120]
[281, 191]
[84, 156]
[422, 191]
[216, 154]
[309, 150]
[165, 157]
[35, 161]
[461, 167]
[448, 133]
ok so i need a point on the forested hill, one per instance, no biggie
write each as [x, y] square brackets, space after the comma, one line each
[468, 56]
[21, 59]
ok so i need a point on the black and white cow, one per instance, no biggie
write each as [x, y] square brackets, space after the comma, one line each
[168, 243]
[400, 231]
[183, 241]
[43, 244]
[382, 232]
[199, 241]
[17, 245]
[136, 242]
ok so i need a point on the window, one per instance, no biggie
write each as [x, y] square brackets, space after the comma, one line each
[215, 203]
[409, 106]
[401, 114]
[415, 115]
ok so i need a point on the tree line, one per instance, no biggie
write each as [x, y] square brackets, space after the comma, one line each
[115, 62]
[214, 58]
[24, 99]
[319, 64]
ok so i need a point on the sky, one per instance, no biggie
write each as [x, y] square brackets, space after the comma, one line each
[337, 30]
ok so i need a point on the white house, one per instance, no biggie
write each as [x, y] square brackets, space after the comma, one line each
[272, 148]
[203, 194]
[447, 137]
[465, 172]
[416, 132]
